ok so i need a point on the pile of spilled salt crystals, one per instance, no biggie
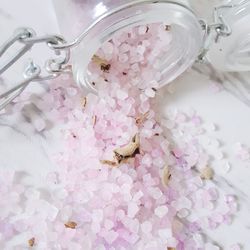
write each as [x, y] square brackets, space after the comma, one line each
[121, 184]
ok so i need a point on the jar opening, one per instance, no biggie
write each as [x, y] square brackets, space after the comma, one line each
[186, 38]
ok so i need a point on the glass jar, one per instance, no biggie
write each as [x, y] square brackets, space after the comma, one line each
[98, 20]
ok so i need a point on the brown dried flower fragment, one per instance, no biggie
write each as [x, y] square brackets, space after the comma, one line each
[207, 173]
[141, 118]
[166, 176]
[70, 224]
[110, 163]
[167, 27]
[31, 242]
[94, 118]
[128, 151]
[84, 102]
[104, 65]
[171, 248]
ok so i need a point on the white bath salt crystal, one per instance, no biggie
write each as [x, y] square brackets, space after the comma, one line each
[60, 194]
[135, 67]
[225, 166]
[124, 48]
[214, 143]
[146, 227]
[218, 155]
[183, 213]
[122, 95]
[137, 196]
[161, 211]
[108, 48]
[52, 213]
[95, 227]
[165, 233]
[150, 92]
[66, 213]
[210, 127]
[146, 43]
[198, 238]
[155, 193]
[101, 247]
[172, 243]
[39, 124]
[123, 58]
[71, 91]
[140, 49]
[32, 193]
[210, 246]
[170, 124]
[171, 89]
[97, 215]
[143, 29]
[132, 209]
[73, 245]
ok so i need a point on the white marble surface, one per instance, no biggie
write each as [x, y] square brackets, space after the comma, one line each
[23, 149]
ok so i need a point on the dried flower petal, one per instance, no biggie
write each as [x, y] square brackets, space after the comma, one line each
[110, 163]
[128, 151]
[71, 224]
[166, 176]
[31, 242]
[207, 173]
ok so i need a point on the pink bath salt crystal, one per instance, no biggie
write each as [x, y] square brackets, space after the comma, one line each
[165, 233]
[218, 218]
[110, 236]
[140, 49]
[182, 202]
[161, 211]
[124, 48]
[106, 195]
[230, 198]
[196, 120]
[177, 152]
[146, 227]
[132, 209]
[216, 87]
[132, 224]
[183, 213]
[108, 224]
[180, 118]
[122, 95]
[235, 247]
[213, 192]
[120, 214]
[146, 160]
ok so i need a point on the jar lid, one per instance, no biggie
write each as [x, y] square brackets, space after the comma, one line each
[232, 53]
